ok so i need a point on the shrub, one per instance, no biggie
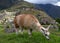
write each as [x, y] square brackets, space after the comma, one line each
[58, 20]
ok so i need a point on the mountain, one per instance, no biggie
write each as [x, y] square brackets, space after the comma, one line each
[23, 7]
[51, 10]
[7, 3]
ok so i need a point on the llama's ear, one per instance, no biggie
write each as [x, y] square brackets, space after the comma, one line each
[48, 27]
[43, 29]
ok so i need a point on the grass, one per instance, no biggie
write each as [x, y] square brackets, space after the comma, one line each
[37, 37]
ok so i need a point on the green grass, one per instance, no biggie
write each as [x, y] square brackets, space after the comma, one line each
[37, 37]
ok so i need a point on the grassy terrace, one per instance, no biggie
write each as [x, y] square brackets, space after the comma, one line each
[37, 37]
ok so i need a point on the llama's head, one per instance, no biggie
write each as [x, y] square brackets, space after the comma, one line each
[45, 32]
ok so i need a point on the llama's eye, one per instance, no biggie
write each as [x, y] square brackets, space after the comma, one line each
[46, 31]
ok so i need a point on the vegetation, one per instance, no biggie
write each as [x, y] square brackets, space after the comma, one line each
[58, 20]
[19, 5]
[37, 37]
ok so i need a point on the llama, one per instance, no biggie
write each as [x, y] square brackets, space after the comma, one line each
[30, 22]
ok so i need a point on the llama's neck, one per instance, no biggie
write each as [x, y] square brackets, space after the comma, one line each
[39, 26]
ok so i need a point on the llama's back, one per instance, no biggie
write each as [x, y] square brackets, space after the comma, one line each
[30, 20]
[26, 20]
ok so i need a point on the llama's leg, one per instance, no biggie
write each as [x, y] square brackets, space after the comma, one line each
[16, 30]
[30, 31]
[21, 30]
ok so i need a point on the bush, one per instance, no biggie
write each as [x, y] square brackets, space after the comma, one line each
[59, 26]
[58, 20]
